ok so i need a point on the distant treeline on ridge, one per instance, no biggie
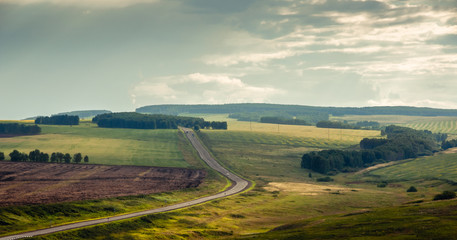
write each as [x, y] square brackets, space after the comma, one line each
[153, 121]
[294, 110]
[58, 120]
[18, 129]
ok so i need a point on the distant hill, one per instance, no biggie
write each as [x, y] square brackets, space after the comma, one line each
[253, 111]
[80, 114]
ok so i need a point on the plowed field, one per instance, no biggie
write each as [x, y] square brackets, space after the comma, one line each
[34, 183]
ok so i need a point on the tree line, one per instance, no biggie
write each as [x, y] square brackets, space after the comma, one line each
[38, 156]
[153, 121]
[58, 120]
[346, 125]
[19, 129]
[401, 143]
[280, 120]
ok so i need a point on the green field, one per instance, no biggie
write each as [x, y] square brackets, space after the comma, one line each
[103, 145]
[434, 124]
[441, 166]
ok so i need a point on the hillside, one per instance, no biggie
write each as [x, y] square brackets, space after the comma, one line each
[80, 114]
[254, 111]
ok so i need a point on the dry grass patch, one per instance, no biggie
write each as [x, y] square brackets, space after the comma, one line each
[307, 189]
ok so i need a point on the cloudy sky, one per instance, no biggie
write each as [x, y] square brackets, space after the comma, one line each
[64, 55]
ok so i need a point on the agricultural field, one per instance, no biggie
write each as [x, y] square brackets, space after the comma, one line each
[104, 146]
[441, 166]
[165, 148]
[434, 124]
[24, 183]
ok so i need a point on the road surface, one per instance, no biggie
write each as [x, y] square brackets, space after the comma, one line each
[238, 185]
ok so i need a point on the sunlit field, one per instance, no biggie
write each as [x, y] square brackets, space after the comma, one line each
[103, 145]
[442, 166]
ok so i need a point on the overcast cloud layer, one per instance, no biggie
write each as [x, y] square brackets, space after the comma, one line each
[58, 56]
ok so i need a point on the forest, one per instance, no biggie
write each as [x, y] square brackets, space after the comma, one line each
[58, 120]
[401, 143]
[18, 129]
[153, 121]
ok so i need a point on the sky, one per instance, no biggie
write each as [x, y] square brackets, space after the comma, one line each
[64, 55]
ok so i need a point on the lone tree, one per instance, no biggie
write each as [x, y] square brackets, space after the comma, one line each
[2, 156]
[411, 189]
[86, 159]
[77, 158]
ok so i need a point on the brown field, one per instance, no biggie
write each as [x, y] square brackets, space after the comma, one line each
[35, 183]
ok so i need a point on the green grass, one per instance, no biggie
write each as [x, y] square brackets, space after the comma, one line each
[440, 166]
[434, 124]
[103, 145]
[265, 156]
[436, 220]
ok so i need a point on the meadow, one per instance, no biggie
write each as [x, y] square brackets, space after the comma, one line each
[442, 166]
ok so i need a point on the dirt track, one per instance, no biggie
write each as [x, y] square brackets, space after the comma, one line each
[34, 183]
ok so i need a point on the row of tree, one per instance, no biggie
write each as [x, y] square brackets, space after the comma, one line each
[19, 129]
[280, 120]
[346, 125]
[58, 120]
[401, 143]
[38, 156]
[153, 121]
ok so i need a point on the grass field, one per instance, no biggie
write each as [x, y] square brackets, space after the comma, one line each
[440, 166]
[434, 124]
[103, 145]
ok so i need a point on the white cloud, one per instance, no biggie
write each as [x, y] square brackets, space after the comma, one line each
[199, 88]
[83, 3]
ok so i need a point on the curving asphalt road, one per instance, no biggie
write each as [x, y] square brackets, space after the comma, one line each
[238, 185]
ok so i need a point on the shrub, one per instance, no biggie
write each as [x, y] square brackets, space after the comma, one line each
[325, 179]
[411, 189]
[445, 195]
[382, 184]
